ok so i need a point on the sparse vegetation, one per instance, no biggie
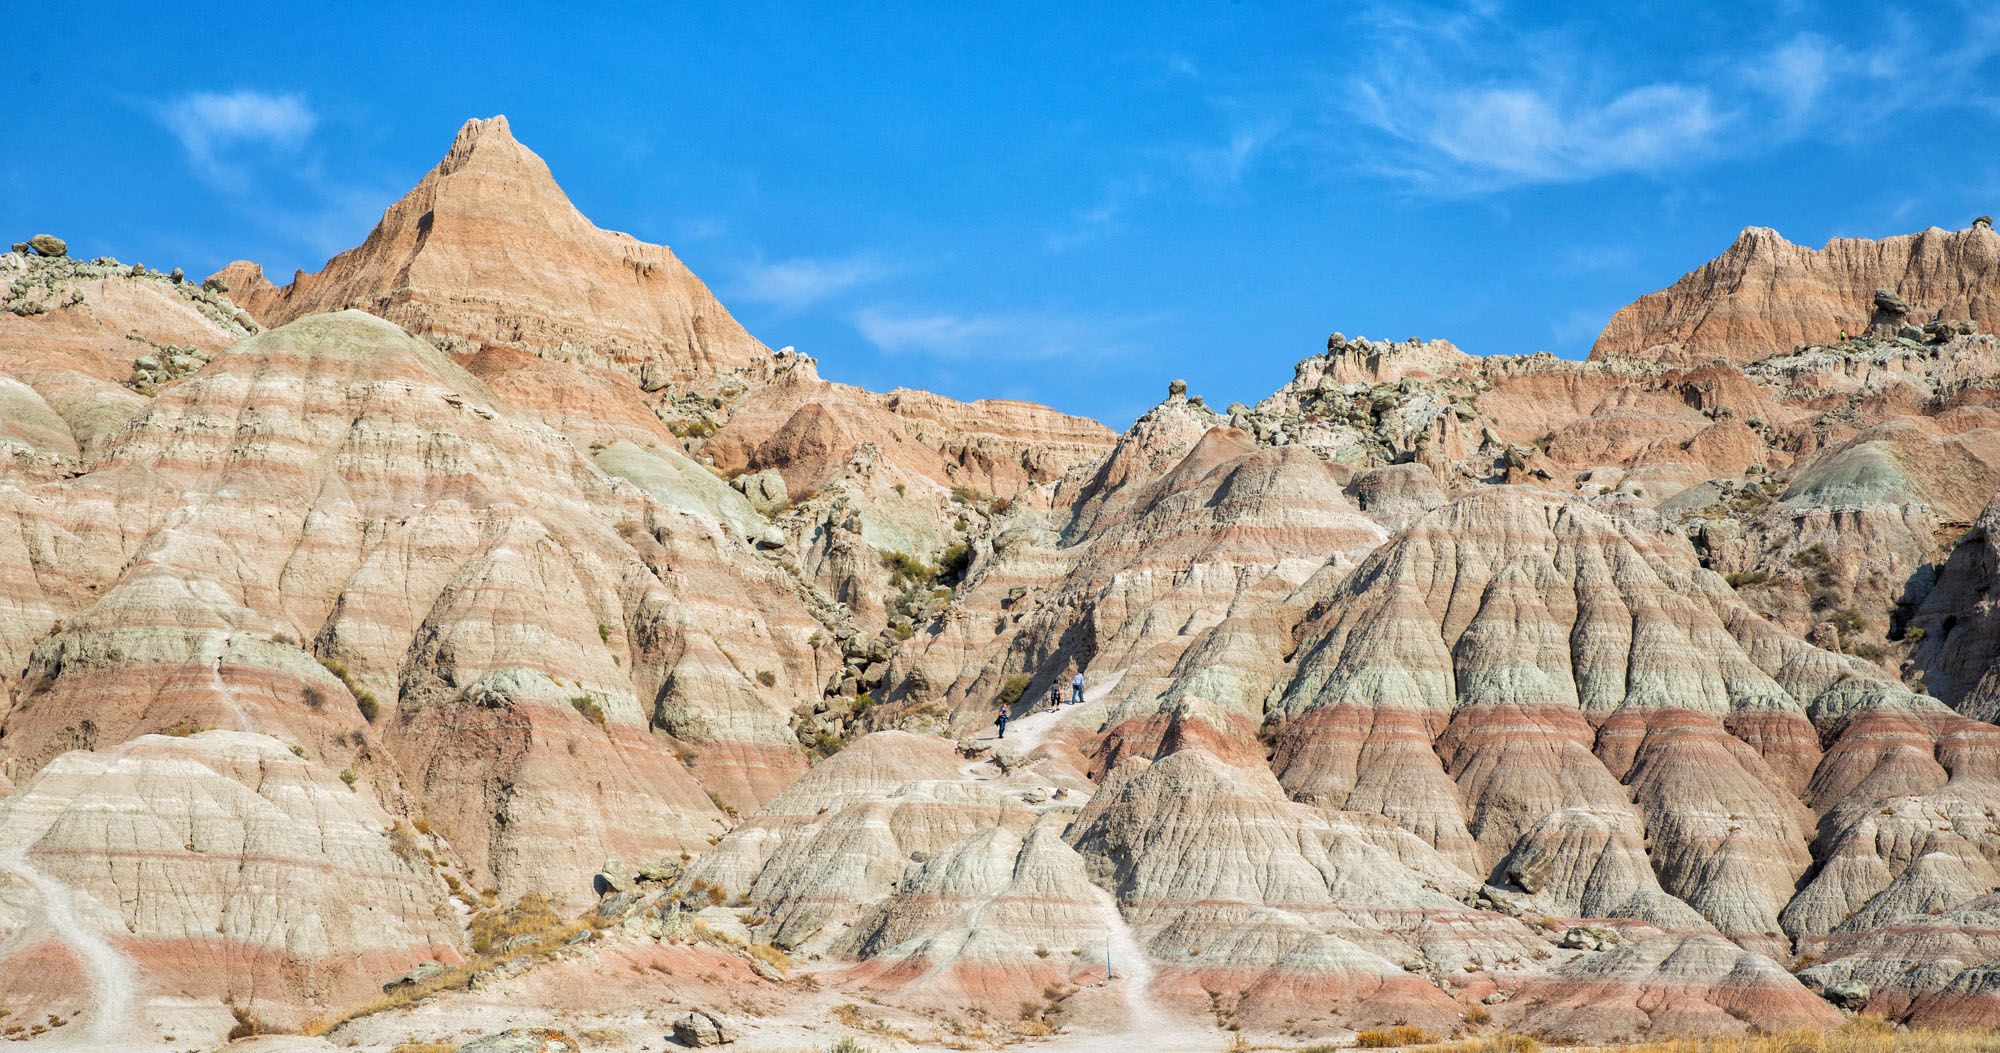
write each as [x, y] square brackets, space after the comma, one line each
[1744, 579]
[364, 700]
[1393, 1037]
[906, 569]
[1011, 690]
[953, 561]
[767, 678]
[184, 729]
[604, 632]
[247, 1024]
[347, 776]
[588, 706]
[531, 915]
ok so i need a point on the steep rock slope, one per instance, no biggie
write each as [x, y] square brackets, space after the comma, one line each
[335, 534]
[1130, 562]
[487, 251]
[1765, 296]
[217, 868]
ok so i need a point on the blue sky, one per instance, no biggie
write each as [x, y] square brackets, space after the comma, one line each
[1041, 202]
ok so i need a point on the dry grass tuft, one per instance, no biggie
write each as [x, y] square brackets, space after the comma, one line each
[1393, 1037]
[1863, 1034]
[530, 915]
[1859, 1035]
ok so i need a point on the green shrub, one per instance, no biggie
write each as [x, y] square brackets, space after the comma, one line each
[767, 678]
[1011, 689]
[365, 702]
[954, 560]
[588, 706]
[904, 567]
[347, 776]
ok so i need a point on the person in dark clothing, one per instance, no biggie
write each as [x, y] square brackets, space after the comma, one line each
[1002, 722]
[1055, 696]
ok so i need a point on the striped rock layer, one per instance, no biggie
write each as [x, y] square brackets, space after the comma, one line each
[1579, 698]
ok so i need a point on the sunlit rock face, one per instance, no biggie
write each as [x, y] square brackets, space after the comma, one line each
[1630, 698]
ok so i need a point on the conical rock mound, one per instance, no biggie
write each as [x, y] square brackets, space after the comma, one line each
[487, 251]
[1766, 296]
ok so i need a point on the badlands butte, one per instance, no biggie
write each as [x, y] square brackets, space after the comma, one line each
[486, 632]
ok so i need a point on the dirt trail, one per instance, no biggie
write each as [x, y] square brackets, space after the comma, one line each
[114, 981]
[239, 718]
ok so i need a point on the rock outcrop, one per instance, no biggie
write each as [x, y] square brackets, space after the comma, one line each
[487, 251]
[218, 866]
[505, 629]
[1765, 296]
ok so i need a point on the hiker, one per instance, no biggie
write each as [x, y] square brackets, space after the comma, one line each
[1055, 695]
[1002, 721]
[1076, 688]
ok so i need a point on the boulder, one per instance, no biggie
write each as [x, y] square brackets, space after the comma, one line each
[614, 877]
[524, 1040]
[1850, 995]
[1591, 938]
[1889, 303]
[414, 976]
[1176, 388]
[49, 245]
[703, 1028]
[617, 905]
[765, 490]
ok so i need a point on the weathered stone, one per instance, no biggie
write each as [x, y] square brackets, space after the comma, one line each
[49, 245]
[1848, 995]
[523, 1040]
[702, 1028]
[415, 976]
[614, 876]
[1591, 938]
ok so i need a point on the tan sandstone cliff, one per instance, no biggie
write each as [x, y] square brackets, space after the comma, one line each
[1765, 296]
[487, 251]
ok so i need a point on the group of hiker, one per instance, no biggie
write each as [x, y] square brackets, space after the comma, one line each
[1055, 700]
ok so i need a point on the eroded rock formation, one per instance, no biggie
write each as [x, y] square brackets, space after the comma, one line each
[505, 627]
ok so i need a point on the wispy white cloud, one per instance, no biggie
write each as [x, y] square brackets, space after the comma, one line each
[1598, 259]
[801, 282]
[997, 337]
[1225, 164]
[1104, 217]
[1451, 133]
[1469, 101]
[212, 125]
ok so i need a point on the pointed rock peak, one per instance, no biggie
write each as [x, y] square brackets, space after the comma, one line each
[1757, 237]
[484, 135]
[486, 251]
[478, 128]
